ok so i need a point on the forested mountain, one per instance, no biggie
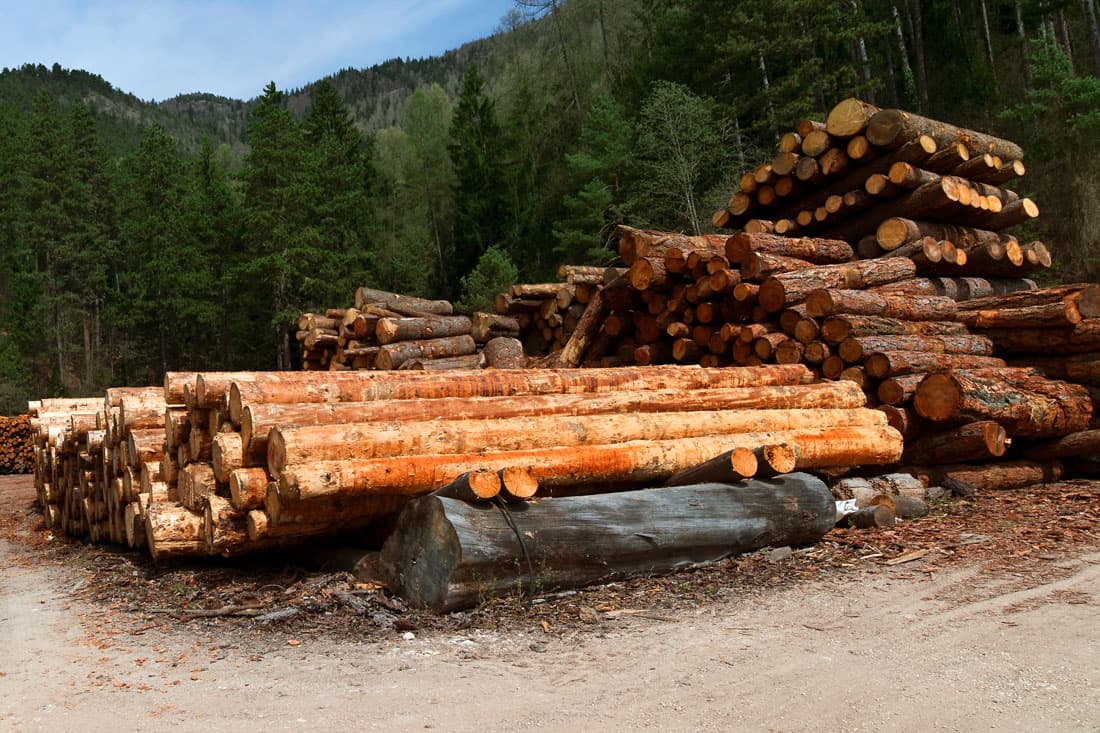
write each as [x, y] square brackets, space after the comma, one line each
[139, 236]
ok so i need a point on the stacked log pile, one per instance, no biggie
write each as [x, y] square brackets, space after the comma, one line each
[248, 461]
[391, 331]
[16, 445]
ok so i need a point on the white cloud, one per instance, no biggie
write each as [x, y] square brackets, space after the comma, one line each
[160, 49]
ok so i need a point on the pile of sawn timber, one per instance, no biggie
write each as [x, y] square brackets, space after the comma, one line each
[16, 445]
[386, 331]
[229, 463]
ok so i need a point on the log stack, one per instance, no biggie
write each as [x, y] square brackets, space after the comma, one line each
[248, 461]
[16, 445]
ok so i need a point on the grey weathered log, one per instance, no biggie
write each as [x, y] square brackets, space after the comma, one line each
[446, 555]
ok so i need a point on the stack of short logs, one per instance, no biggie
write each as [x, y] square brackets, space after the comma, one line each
[391, 331]
[16, 445]
[240, 462]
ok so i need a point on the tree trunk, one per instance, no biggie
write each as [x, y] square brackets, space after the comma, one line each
[855, 350]
[641, 460]
[835, 329]
[829, 302]
[1089, 8]
[1084, 443]
[810, 249]
[289, 445]
[891, 128]
[1080, 339]
[389, 330]
[967, 480]
[786, 289]
[918, 53]
[988, 43]
[958, 288]
[883, 364]
[1031, 407]
[466, 553]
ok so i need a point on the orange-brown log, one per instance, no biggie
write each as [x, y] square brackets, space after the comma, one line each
[1080, 339]
[976, 441]
[897, 231]
[788, 288]
[899, 390]
[172, 530]
[855, 349]
[1085, 295]
[827, 302]
[1059, 314]
[474, 486]
[646, 460]
[958, 288]
[369, 296]
[391, 356]
[1030, 407]
[762, 265]
[1083, 443]
[288, 445]
[1079, 368]
[835, 329]
[727, 468]
[517, 484]
[389, 330]
[883, 364]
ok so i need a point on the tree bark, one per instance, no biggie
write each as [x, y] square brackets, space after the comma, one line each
[466, 554]
[827, 302]
[810, 249]
[835, 329]
[786, 289]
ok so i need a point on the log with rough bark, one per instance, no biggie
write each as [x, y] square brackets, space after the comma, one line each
[467, 553]
[393, 355]
[504, 353]
[827, 302]
[835, 329]
[890, 128]
[1061, 314]
[1083, 443]
[976, 441]
[789, 288]
[958, 288]
[465, 363]
[291, 445]
[1085, 296]
[475, 486]
[303, 387]
[884, 364]
[485, 326]
[172, 530]
[636, 243]
[855, 349]
[810, 249]
[389, 330]
[640, 460]
[849, 117]
[365, 296]
[1079, 339]
[1079, 368]
[968, 480]
[896, 232]
[1027, 406]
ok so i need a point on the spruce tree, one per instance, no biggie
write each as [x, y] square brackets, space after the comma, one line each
[477, 157]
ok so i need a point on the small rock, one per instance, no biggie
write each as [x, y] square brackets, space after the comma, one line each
[588, 615]
[538, 648]
[408, 636]
[779, 554]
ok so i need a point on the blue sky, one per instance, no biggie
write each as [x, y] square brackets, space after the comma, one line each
[159, 49]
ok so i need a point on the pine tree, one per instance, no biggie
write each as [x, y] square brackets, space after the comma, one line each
[477, 158]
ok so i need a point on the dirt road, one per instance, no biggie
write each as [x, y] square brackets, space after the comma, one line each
[892, 649]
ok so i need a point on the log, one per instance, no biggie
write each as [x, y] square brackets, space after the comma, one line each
[247, 488]
[976, 441]
[728, 468]
[393, 355]
[172, 530]
[1084, 295]
[1030, 407]
[392, 301]
[1079, 368]
[484, 326]
[1080, 339]
[958, 288]
[474, 486]
[225, 530]
[968, 480]
[810, 249]
[572, 354]
[260, 419]
[1083, 443]
[890, 128]
[898, 231]
[762, 265]
[849, 117]
[291, 445]
[517, 484]
[636, 243]
[504, 353]
[468, 553]
[642, 460]
[883, 364]
[1061, 314]
[827, 302]
[304, 387]
[196, 480]
[464, 363]
[389, 330]
[856, 349]
[836, 329]
[878, 516]
[786, 289]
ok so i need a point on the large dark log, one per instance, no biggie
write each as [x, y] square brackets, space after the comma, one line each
[1079, 368]
[1084, 443]
[890, 128]
[504, 353]
[391, 356]
[445, 555]
[1080, 339]
[1085, 295]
